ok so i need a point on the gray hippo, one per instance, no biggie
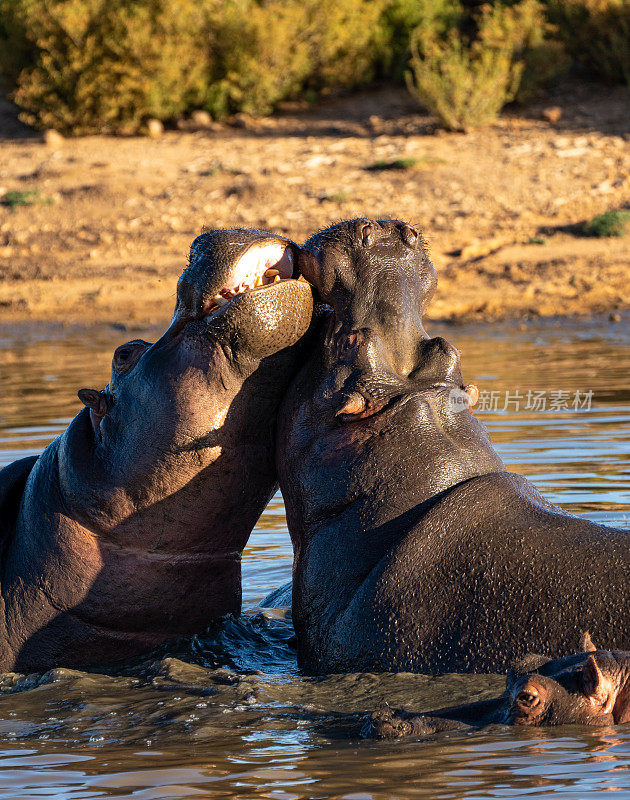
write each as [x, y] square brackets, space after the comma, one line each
[590, 688]
[415, 550]
[127, 531]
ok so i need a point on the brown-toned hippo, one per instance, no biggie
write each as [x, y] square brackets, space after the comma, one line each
[128, 530]
[590, 688]
[415, 550]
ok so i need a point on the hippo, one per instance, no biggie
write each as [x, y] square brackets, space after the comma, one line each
[590, 688]
[415, 550]
[127, 531]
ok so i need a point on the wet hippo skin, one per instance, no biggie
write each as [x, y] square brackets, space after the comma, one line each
[590, 688]
[415, 550]
[107, 547]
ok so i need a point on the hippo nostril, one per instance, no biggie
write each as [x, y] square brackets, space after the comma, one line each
[367, 234]
[410, 236]
[528, 699]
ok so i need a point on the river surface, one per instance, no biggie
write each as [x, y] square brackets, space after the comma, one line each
[228, 714]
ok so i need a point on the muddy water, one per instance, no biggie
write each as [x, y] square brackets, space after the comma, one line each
[228, 714]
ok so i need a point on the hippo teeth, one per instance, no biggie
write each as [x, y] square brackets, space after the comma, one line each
[262, 264]
[223, 297]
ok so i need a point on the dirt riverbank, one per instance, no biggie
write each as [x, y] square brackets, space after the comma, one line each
[111, 219]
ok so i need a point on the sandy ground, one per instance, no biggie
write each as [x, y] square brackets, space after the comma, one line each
[114, 217]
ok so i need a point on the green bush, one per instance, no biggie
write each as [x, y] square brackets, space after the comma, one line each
[255, 64]
[464, 81]
[263, 54]
[86, 66]
[536, 46]
[341, 36]
[597, 34]
[101, 65]
[30, 197]
[398, 21]
[610, 223]
[467, 71]
[397, 164]
[524, 24]
[83, 66]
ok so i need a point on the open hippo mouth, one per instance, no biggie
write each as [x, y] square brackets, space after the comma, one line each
[263, 264]
[226, 264]
[242, 285]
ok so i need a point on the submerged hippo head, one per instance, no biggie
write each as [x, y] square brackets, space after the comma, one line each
[589, 688]
[161, 478]
[592, 689]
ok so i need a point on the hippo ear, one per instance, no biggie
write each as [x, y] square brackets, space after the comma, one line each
[586, 643]
[597, 686]
[94, 400]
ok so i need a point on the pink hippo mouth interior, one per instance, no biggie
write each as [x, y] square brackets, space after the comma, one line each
[262, 265]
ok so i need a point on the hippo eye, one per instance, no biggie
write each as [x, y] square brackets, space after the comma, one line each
[126, 355]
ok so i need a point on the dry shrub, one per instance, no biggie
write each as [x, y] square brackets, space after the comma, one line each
[341, 37]
[467, 72]
[102, 65]
[399, 19]
[265, 53]
[257, 59]
[536, 46]
[85, 66]
[463, 80]
[597, 34]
